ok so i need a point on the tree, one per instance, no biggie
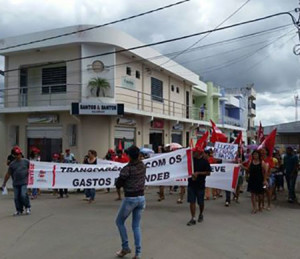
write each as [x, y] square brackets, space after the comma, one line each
[98, 85]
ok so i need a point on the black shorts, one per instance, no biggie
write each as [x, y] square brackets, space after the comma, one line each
[195, 194]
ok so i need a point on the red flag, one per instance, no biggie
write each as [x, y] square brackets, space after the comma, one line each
[239, 139]
[202, 142]
[269, 142]
[260, 134]
[217, 135]
[120, 145]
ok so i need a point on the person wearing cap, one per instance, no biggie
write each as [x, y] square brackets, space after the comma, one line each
[34, 156]
[69, 157]
[132, 179]
[18, 171]
[196, 184]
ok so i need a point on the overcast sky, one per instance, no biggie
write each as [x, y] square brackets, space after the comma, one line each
[266, 60]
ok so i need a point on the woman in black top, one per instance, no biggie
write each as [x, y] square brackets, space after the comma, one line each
[257, 180]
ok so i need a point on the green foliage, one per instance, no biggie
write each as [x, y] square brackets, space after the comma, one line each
[98, 85]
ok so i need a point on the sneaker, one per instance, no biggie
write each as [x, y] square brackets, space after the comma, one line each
[226, 204]
[290, 200]
[18, 213]
[200, 218]
[191, 222]
[123, 252]
[28, 211]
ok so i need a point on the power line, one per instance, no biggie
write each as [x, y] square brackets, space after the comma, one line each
[194, 44]
[97, 26]
[164, 41]
[244, 57]
[227, 41]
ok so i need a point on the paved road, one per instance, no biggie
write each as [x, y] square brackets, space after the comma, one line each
[71, 228]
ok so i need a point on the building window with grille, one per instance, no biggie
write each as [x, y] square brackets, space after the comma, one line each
[128, 71]
[172, 88]
[156, 89]
[54, 80]
[177, 90]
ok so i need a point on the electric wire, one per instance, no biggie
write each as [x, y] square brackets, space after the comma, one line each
[97, 26]
[205, 36]
[167, 41]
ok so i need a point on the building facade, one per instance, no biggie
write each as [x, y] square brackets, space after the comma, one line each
[50, 103]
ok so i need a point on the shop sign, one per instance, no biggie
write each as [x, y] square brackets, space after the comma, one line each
[97, 109]
[126, 122]
[42, 119]
[128, 82]
[177, 126]
[157, 124]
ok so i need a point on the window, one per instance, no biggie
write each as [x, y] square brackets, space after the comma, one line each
[156, 89]
[72, 133]
[177, 90]
[137, 74]
[128, 71]
[54, 80]
[172, 88]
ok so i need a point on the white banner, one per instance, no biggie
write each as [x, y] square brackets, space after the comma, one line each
[160, 169]
[163, 169]
[223, 177]
[225, 151]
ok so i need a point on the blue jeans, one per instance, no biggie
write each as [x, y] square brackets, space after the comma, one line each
[34, 192]
[90, 193]
[134, 205]
[21, 197]
[291, 183]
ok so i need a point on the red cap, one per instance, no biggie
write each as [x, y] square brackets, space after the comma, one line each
[17, 150]
[35, 150]
[111, 151]
[56, 156]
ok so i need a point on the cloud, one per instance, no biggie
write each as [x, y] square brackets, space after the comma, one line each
[273, 69]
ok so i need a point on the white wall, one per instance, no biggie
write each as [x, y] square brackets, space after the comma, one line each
[43, 56]
[87, 72]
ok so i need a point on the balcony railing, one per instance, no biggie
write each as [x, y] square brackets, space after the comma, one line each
[142, 101]
[232, 121]
[33, 96]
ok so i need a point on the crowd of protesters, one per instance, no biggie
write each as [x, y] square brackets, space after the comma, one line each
[264, 174]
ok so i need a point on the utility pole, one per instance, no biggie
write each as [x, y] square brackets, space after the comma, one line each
[296, 106]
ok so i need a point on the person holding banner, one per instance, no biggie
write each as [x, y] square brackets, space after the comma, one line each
[18, 171]
[132, 178]
[91, 159]
[196, 184]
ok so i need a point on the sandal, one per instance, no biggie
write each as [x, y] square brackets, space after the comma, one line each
[179, 201]
[123, 252]
[254, 211]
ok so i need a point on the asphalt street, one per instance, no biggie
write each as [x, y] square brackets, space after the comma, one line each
[72, 228]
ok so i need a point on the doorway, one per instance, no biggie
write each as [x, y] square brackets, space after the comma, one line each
[156, 139]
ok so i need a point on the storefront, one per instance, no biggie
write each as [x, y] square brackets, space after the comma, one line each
[156, 134]
[47, 139]
[124, 135]
[177, 132]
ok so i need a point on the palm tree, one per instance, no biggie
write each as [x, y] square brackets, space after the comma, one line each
[98, 85]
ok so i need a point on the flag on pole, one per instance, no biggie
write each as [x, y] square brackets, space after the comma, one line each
[120, 145]
[217, 135]
[239, 139]
[269, 142]
[202, 142]
[260, 134]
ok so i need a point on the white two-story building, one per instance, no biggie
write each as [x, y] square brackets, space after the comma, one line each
[47, 101]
